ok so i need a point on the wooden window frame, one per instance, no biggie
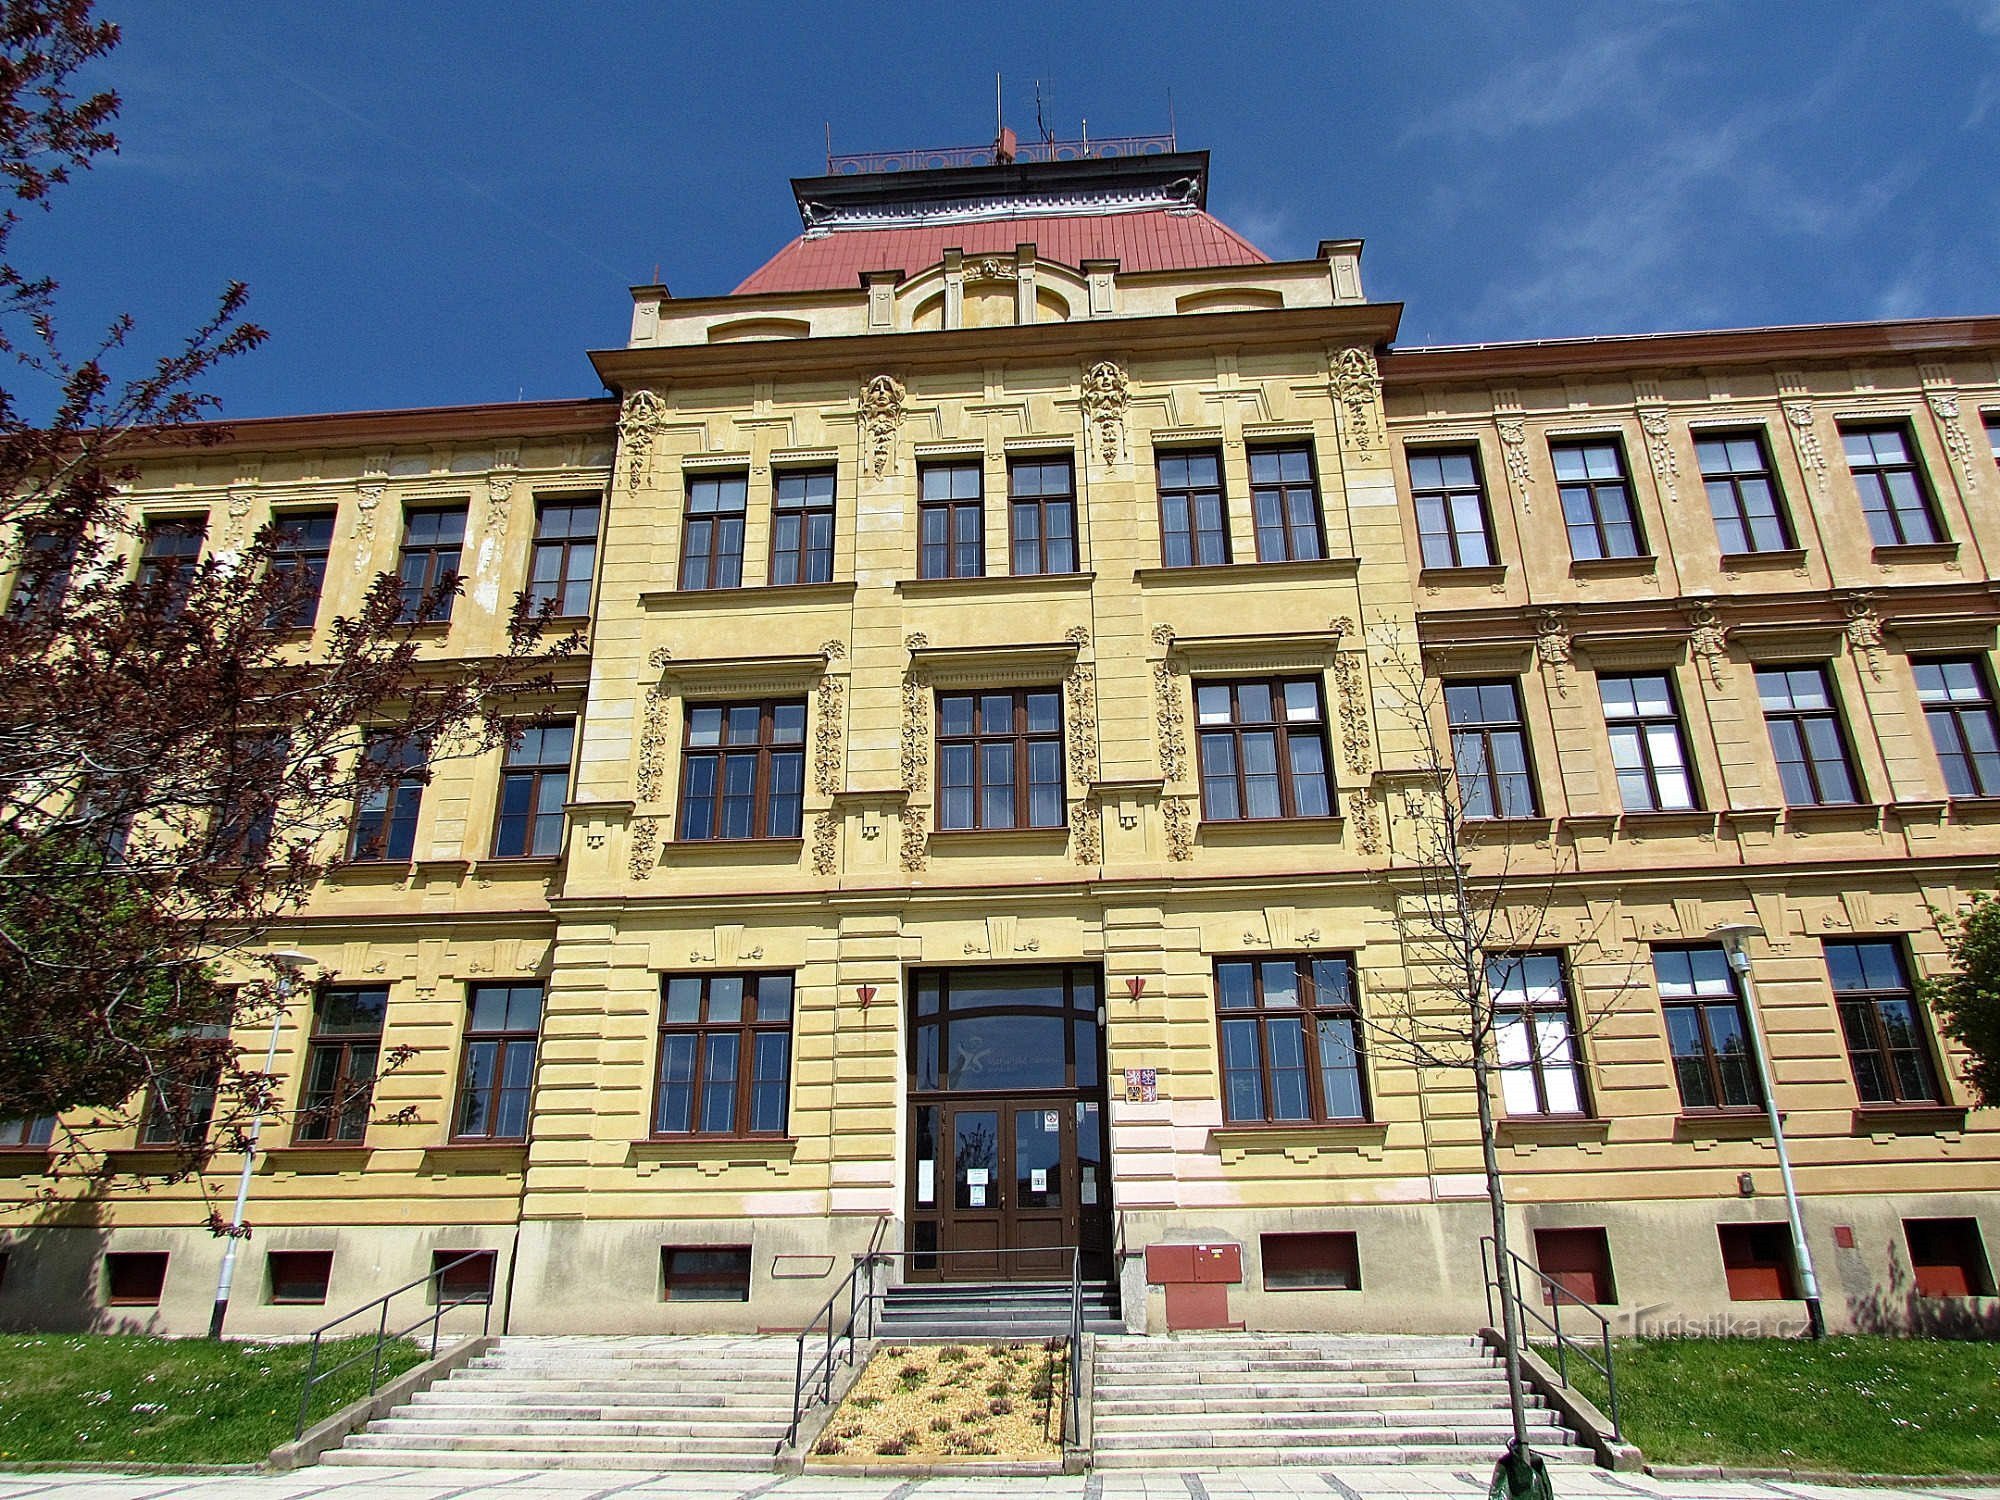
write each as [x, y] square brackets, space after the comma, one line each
[1540, 1064]
[1343, 1257]
[507, 1040]
[746, 1029]
[1190, 495]
[1731, 480]
[439, 567]
[670, 1279]
[243, 822]
[171, 571]
[714, 555]
[1796, 719]
[1042, 505]
[1603, 1274]
[1973, 1263]
[1282, 730]
[1484, 730]
[535, 774]
[323, 1259]
[1308, 1012]
[953, 509]
[178, 1110]
[338, 1113]
[1865, 1003]
[451, 1287]
[566, 548]
[1445, 495]
[1709, 1057]
[43, 564]
[1645, 723]
[28, 1133]
[810, 562]
[1960, 712]
[766, 749]
[375, 833]
[116, 1261]
[1872, 477]
[1283, 490]
[1594, 490]
[301, 552]
[1022, 739]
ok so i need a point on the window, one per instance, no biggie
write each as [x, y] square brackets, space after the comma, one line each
[340, 1064]
[712, 541]
[433, 545]
[1284, 504]
[1992, 420]
[1742, 495]
[1000, 759]
[298, 557]
[1452, 525]
[462, 1275]
[1539, 1072]
[27, 1135]
[1577, 1260]
[705, 1273]
[1948, 1258]
[743, 771]
[1958, 702]
[1895, 497]
[565, 557]
[167, 561]
[1757, 1260]
[1263, 749]
[1707, 1031]
[951, 521]
[534, 785]
[1325, 1262]
[390, 789]
[1489, 750]
[1194, 526]
[1596, 500]
[725, 1055]
[1646, 749]
[248, 790]
[498, 1075]
[1882, 1022]
[178, 1109]
[299, 1276]
[135, 1278]
[1291, 1040]
[802, 527]
[42, 572]
[1041, 511]
[1806, 736]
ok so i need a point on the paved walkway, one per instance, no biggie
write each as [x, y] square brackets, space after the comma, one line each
[1411, 1483]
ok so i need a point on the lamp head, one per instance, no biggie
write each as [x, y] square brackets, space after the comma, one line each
[1735, 936]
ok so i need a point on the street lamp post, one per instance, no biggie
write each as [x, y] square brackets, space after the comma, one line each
[1735, 936]
[290, 966]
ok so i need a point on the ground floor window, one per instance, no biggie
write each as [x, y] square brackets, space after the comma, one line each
[135, 1278]
[705, 1273]
[1291, 1040]
[463, 1275]
[1327, 1261]
[1948, 1258]
[299, 1275]
[1757, 1260]
[1577, 1260]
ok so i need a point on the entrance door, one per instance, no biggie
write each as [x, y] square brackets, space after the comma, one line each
[1012, 1211]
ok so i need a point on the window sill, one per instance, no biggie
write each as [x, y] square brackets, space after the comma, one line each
[1485, 576]
[476, 1156]
[969, 841]
[1683, 822]
[1612, 567]
[1223, 832]
[1301, 1141]
[919, 588]
[743, 851]
[508, 864]
[1908, 1119]
[1776, 560]
[1721, 1124]
[1973, 809]
[1303, 570]
[757, 596]
[1834, 817]
[1554, 1130]
[1916, 552]
[375, 871]
[25, 1161]
[318, 1156]
[1476, 830]
[712, 1154]
[424, 630]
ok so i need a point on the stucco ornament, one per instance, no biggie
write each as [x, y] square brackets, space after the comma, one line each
[1086, 832]
[1168, 715]
[1864, 631]
[1082, 706]
[1708, 641]
[828, 724]
[989, 268]
[1367, 832]
[881, 419]
[1357, 385]
[1353, 700]
[825, 842]
[644, 853]
[652, 776]
[364, 531]
[499, 495]
[915, 839]
[1660, 448]
[1514, 449]
[1178, 813]
[1106, 393]
[1957, 442]
[1805, 438]
[1552, 646]
[639, 422]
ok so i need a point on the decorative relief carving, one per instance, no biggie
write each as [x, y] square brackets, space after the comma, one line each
[499, 495]
[916, 726]
[639, 422]
[1514, 449]
[658, 658]
[1357, 388]
[1708, 641]
[1864, 630]
[644, 854]
[1086, 833]
[1168, 715]
[881, 419]
[914, 838]
[1106, 392]
[1082, 705]
[1552, 646]
[989, 268]
[652, 778]
[364, 531]
[1353, 701]
[1805, 438]
[827, 724]
[239, 511]
[1957, 441]
[1178, 814]
[1367, 832]
[825, 842]
[1660, 448]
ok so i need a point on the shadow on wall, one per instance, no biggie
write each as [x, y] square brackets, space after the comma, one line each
[1899, 1309]
[54, 1275]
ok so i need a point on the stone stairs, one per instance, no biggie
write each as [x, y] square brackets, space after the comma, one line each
[660, 1404]
[1237, 1400]
[994, 1310]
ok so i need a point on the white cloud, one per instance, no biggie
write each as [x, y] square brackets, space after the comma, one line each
[1534, 91]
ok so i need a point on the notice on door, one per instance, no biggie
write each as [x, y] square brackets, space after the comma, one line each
[926, 1182]
[1051, 1121]
[1038, 1179]
[1087, 1187]
[975, 1187]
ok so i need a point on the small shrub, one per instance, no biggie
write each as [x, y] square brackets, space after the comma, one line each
[938, 1397]
[1000, 1406]
[829, 1446]
[865, 1403]
[951, 1354]
[996, 1351]
[942, 1424]
[911, 1376]
[1043, 1388]
[892, 1447]
[899, 1351]
[999, 1388]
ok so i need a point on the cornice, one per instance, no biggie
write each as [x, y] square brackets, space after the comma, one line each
[582, 416]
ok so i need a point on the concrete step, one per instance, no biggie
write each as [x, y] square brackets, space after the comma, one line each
[1262, 1422]
[656, 1463]
[561, 1442]
[714, 1403]
[1359, 1399]
[1474, 1456]
[515, 1425]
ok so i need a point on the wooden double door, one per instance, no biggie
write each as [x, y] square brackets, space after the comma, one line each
[1023, 1179]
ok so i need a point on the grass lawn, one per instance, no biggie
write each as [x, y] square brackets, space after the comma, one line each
[1856, 1405]
[117, 1398]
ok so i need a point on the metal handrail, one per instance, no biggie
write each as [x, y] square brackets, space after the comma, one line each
[1558, 1294]
[315, 1375]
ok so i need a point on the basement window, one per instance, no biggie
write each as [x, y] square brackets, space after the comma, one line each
[1948, 1258]
[468, 1281]
[1757, 1259]
[1577, 1260]
[299, 1276]
[135, 1278]
[706, 1273]
[1323, 1262]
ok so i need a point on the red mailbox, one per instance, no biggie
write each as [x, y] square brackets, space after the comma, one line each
[1219, 1263]
[1196, 1279]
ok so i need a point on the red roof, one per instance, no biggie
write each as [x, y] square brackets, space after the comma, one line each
[1152, 240]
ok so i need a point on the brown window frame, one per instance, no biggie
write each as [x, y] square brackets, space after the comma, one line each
[1444, 496]
[44, 559]
[1533, 1016]
[453, 1286]
[336, 1113]
[811, 561]
[1874, 478]
[1603, 1275]
[716, 519]
[28, 1133]
[1797, 719]
[1595, 488]
[672, 1279]
[1042, 503]
[747, 1029]
[766, 748]
[574, 551]
[178, 1109]
[300, 549]
[1725, 485]
[1970, 780]
[387, 834]
[1282, 491]
[322, 1260]
[1968, 1271]
[148, 1267]
[536, 774]
[1021, 737]
[508, 1039]
[1194, 536]
[1311, 1009]
[1754, 1253]
[171, 572]
[1291, 1253]
[1282, 730]
[1645, 723]
[439, 561]
[954, 508]
[1860, 1007]
[1702, 1005]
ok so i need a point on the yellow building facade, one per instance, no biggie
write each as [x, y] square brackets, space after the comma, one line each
[989, 819]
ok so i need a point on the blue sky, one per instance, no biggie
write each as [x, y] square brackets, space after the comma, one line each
[446, 201]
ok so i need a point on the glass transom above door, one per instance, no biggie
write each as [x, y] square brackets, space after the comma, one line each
[1006, 1030]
